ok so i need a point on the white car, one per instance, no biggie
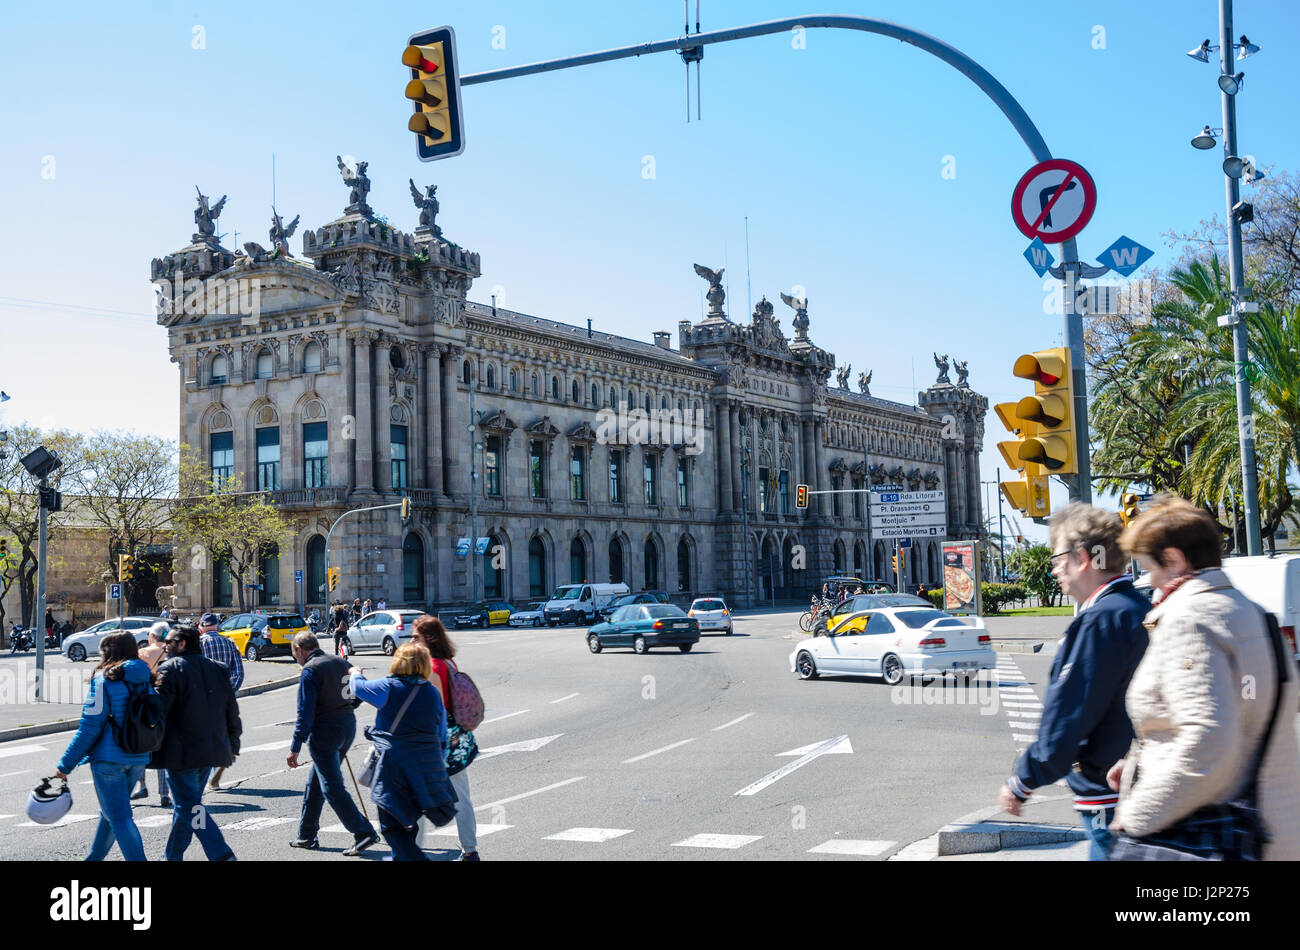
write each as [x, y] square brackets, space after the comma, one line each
[712, 614]
[85, 644]
[893, 642]
[534, 616]
[385, 630]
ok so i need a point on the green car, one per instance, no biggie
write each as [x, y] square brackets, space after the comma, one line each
[642, 626]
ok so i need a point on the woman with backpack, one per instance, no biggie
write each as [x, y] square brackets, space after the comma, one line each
[462, 749]
[99, 741]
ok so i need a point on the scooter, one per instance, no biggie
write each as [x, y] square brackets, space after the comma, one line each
[20, 639]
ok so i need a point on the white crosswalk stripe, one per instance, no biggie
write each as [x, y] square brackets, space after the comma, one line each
[597, 835]
[262, 821]
[847, 846]
[708, 840]
[65, 820]
[10, 751]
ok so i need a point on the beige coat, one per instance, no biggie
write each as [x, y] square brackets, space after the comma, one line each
[1200, 701]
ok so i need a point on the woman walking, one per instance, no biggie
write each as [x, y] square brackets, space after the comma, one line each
[153, 654]
[410, 735]
[115, 771]
[462, 748]
[1202, 701]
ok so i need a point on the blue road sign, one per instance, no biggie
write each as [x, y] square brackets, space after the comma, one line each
[115, 591]
[904, 542]
[1039, 257]
[462, 547]
[1125, 256]
[297, 576]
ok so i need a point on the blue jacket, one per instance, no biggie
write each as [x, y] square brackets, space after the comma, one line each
[411, 779]
[1085, 728]
[95, 740]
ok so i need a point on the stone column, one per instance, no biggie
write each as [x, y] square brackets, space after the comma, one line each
[722, 452]
[433, 452]
[455, 472]
[973, 486]
[818, 463]
[733, 415]
[383, 415]
[364, 478]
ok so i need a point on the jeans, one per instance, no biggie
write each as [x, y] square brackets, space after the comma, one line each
[400, 838]
[113, 784]
[328, 744]
[190, 817]
[1097, 826]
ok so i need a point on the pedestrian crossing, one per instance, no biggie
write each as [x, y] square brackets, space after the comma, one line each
[1024, 710]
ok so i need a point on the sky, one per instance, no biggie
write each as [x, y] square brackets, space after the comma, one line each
[873, 176]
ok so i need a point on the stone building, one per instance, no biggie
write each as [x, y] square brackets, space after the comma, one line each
[362, 374]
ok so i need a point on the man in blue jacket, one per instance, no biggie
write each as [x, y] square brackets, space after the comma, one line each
[1085, 728]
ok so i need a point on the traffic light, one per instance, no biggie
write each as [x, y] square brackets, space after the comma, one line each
[1051, 408]
[1029, 494]
[406, 509]
[4, 548]
[900, 560]
[434, 89]
[894, 559]
[1129, 509]
[801, 496]
[334, 573]
[125, 567]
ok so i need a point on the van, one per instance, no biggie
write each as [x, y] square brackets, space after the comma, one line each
[1273, 583]
[580, 603]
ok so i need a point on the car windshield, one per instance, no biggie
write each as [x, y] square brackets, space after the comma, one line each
[567, 593]
[900, 600]
[916, 619]
[708, 605]
[664, 610]
[624, 600]
[285, 623]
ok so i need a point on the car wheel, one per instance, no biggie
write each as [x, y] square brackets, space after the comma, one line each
[805, 667]
[552, 623]
[76, 653]
[483, 624]
[730, 629]
[640, 646]
[891, 668]
[593, 643]
[251, 654]
[685, 647]
[389, 646]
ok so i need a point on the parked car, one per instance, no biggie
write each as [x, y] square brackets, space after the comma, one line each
[711, 613]
[258, 635]
[489, 613]
[532, 617]
[580, 603]
[642, 626]
[384, 630]
[86, 643]
[893, 642]
[860, 602]
[642, 597]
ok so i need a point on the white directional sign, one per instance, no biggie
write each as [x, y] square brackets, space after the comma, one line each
[910, 531]
[921, 514]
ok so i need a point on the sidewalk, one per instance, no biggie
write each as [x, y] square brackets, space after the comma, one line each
[66, 684]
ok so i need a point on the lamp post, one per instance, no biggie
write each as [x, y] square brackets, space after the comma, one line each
[744, 518]
[40, 464]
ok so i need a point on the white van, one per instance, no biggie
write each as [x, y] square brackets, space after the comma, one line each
[1273, 583]
[579, 603]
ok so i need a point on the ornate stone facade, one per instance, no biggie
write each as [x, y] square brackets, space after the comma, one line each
[365, 374]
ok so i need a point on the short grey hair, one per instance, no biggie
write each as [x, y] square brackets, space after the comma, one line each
[306, 641]
[159, 631]
[1095, 530]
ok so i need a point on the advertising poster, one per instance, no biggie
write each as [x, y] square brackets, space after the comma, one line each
[961, 578]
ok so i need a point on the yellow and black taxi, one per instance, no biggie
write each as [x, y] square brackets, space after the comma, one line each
[259, 635]
[490, 613]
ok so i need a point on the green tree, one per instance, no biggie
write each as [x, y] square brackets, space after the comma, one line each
[1034, 565]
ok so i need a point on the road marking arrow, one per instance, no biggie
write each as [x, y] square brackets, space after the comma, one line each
[528, 745]
[842, 748]
[815, 752]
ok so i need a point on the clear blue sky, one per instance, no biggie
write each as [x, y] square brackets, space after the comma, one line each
[835, 152]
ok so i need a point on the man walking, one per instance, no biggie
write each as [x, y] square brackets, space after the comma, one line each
[1085, 728]
[153, 655]
[327, 724]
[202, 730]
[221, 650]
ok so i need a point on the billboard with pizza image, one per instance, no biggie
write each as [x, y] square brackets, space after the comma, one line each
[961, 578]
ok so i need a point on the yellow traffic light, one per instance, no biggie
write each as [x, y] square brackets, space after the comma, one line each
[1051, 409]
[125, 568]
[434, 90]
[406, 508]
[334, 573]
[801, 496]
[1129, 509]
[1029, 494]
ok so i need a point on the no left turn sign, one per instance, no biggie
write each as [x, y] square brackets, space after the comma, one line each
[1054, 201]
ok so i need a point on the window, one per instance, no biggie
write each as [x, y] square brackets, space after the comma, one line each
[683, 496]
[492, 576]
[651, 564]
[268, 575]
[413, 569]
[311, 358]
[613, 398]
[315, 455]
[577, 480]
[222, 458]
[464, 372]
[616, 477]
[663, 403]
[397, 448]
[577, 561]
[555, 387]
[265, 365]
[651, 469]
[316, 570]
[220, 368]
[536, 568]
[631, 398]
[615, 561]
[783, 489]
[514, 381]
[222, 588]
[577, 392]
[765, 503]
[595, 396]
[647, 404]
[268, 459]
[491, 378]
[684, 568]
[536, 469]
[534, 384]
[857, 499]
[492, 465]
[836, 480]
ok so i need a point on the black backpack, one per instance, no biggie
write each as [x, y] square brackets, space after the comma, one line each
[142, 732]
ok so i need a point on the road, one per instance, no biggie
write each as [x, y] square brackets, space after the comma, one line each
[713, 755]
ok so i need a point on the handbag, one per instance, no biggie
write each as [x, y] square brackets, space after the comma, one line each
[1230, 831]
[370, 765]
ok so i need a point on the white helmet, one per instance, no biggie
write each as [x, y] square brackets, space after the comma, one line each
[46, 804]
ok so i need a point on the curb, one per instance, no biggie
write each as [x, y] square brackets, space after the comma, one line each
[67, 725]
[985, 836]
[1018, 646]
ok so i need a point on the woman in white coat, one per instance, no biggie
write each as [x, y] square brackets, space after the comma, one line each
[1202, 697]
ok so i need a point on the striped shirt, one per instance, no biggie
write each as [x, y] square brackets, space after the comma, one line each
[221, 650]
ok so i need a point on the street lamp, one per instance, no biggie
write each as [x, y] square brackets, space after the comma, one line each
[1205, 139]
[1202, 52]
[1231, 84]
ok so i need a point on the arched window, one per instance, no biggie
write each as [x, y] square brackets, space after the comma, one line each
[631, 398]
[536, 568]
[220, 369]
[491, 378]
[555, 387]
[577, 561]
[464, 372]
[839, 557]
[534, 384]
[663, 403]
[651, 565]
[514, 381]
[615, 561]
[595, 396]
[413, 569]
[683, 566]
[647, 404]
[265, 364]
[613, 398]
[576, 392]
[493, 577]
[396, 358]
[268, 575]
[311, 358]
[680, 408]
[315, 589]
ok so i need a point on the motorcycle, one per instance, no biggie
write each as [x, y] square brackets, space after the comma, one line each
[314, 622]
[20, 639]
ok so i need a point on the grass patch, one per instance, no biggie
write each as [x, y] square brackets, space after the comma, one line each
[1067, 611]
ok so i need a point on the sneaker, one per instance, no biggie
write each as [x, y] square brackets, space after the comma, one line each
[139, 793]
[165, 802]
[307, 844]
[362, 842]
[469, 856]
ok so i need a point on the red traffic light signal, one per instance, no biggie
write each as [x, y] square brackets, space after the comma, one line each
[801, 496]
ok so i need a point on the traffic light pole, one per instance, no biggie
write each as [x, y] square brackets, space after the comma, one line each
[1081, 489]
[39, 634]
[330, 535]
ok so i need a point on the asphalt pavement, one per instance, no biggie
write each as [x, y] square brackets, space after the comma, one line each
[719, 754]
